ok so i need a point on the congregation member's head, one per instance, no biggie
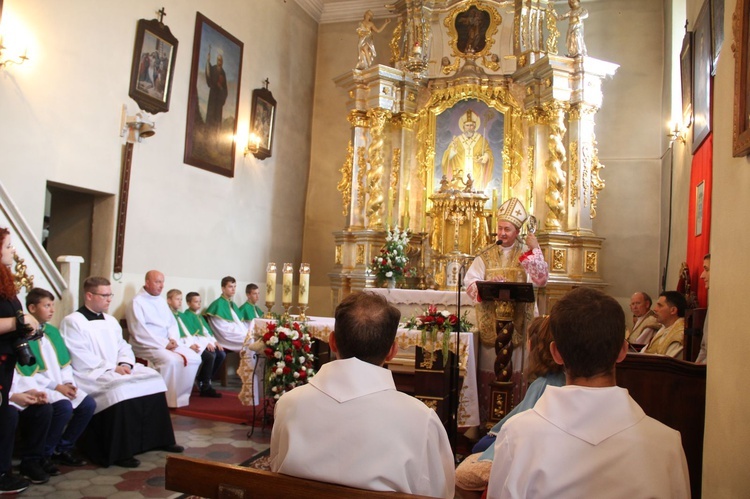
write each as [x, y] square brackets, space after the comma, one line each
[228, 287]
[510, 217]
[41, 304]
[252, 292]
[706, 268]
[669, 307]
[541, 362]
[154, 284]
[174, 299]
[97, 294]
[193, 301]
[588, 328]
[640, 304]
[365, 328]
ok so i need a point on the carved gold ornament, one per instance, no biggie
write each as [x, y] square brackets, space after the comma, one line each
[21, 279]
[591, 261]
[573, 167]
[476, 44]
[597, 183]
[554, 195]
[361, 175]
[360, 254]
[345, 185]
[338, 255]
[378, 117]
[558, 260]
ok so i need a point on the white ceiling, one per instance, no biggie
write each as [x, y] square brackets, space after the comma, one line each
[335, 11]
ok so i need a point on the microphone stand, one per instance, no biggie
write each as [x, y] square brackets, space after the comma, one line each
[455, 391]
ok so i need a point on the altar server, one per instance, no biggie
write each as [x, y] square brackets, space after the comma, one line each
[131, 411]
[153, 336]
[394, 441]
[198, 338]
[250, 309]
[226, 319]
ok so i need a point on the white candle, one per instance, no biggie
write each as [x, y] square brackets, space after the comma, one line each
[271, 283]
[304, 288]
[287, 283]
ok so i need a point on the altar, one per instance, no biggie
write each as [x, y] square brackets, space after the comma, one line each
[320, 328]
[411, 302]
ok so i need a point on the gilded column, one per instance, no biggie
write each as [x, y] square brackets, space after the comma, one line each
[554, 195]
[581, 147]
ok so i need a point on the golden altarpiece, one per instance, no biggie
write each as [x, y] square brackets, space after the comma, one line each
[475, 106]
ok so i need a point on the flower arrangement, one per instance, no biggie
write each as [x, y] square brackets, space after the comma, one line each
[290, 363]
[392, 262]
[434, 322]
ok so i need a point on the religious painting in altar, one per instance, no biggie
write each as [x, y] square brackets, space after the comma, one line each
[213, 99]
[469, 139]
[471, 29]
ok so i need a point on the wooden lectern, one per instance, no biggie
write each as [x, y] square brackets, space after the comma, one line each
[501, 389]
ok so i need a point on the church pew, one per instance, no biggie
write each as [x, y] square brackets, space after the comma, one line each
[674, 392]
[218, 480]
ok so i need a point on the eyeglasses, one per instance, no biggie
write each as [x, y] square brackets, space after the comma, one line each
[110, 295]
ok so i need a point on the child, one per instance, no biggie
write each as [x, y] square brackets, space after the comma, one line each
[249, 310]
[199, 337]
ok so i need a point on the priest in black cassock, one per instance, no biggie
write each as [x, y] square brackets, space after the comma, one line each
[132, 415]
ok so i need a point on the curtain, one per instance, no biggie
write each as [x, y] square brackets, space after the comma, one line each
[699, 216]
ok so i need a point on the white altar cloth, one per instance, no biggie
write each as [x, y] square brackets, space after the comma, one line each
[320, 328]
[414, 301]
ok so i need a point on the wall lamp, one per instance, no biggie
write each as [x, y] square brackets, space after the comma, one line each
[676, 132]
[253, 144]
[6, 61]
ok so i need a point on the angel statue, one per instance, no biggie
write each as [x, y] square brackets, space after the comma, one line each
[574, 38]
[366, 45]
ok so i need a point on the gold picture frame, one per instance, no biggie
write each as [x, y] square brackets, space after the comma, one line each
[471, 34]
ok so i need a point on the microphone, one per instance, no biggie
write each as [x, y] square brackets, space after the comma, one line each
[485, 250]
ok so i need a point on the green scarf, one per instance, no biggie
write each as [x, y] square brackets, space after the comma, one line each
[221, 308]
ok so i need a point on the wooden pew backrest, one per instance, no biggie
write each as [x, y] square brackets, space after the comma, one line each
[217, 480]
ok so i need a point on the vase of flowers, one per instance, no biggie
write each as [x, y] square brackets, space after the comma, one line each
[437, 326]
[391, 264]
[289, 363]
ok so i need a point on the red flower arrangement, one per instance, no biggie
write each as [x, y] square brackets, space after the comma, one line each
[435, 321]
[288, 348]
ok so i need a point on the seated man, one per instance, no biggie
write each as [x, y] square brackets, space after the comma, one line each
[225, 317]
[576, 439]
[199, 339]
[644, 319]
[670, 310]
[250, 310]
[393, 441]
[53, 375]
[131, 410]
[154, 335]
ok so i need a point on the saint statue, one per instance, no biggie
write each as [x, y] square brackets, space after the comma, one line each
[366, 45]
[469, 152]
[574, 39]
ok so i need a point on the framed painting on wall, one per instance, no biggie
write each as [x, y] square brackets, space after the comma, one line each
[686, 78]
[153, 66]
[262, 117]
[699, 195]
[717, 32]
[213, 99]
[741, 126]
[702, 57]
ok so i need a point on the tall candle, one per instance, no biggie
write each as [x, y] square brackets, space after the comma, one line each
[304, 283]
[424, 211]
[406, 209]
[271, 283]
[287, 283]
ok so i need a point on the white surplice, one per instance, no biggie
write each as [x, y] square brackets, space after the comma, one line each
[350, 426]
[587, 442]
[96, 348]
[230, 334]
[151, 325]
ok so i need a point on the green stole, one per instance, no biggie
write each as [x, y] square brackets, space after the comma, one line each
[250, 311]
[63, 356]
[195, 324]
[180, 325]
[221, 308]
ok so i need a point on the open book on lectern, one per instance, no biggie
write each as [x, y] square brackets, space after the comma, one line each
[505, 291]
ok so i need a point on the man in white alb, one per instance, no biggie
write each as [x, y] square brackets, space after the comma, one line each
[153, 336]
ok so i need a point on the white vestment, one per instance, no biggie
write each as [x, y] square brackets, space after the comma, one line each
[47, 380]
[96, 348]
[350, 426]
[187, 340]
[230, 334]
[580, 442]
[152, 324]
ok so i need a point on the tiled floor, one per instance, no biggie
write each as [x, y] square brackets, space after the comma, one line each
[216, 441]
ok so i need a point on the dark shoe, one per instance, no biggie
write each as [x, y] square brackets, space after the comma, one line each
[33, 472]
[67, 458]
[129, 462]
[174, 448]
[49, 468]
[11, 484]
[210, 393]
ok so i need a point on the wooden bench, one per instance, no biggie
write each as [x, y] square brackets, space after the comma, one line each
[674, 392]
[217, 480]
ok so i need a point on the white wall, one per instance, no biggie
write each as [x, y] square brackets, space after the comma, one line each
[59, 121]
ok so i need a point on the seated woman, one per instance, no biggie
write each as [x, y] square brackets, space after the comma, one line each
[474, 472]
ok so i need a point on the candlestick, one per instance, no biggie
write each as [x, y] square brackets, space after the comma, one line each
[270, 287]
[304, 283]
[423, 227]
[287, 284]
